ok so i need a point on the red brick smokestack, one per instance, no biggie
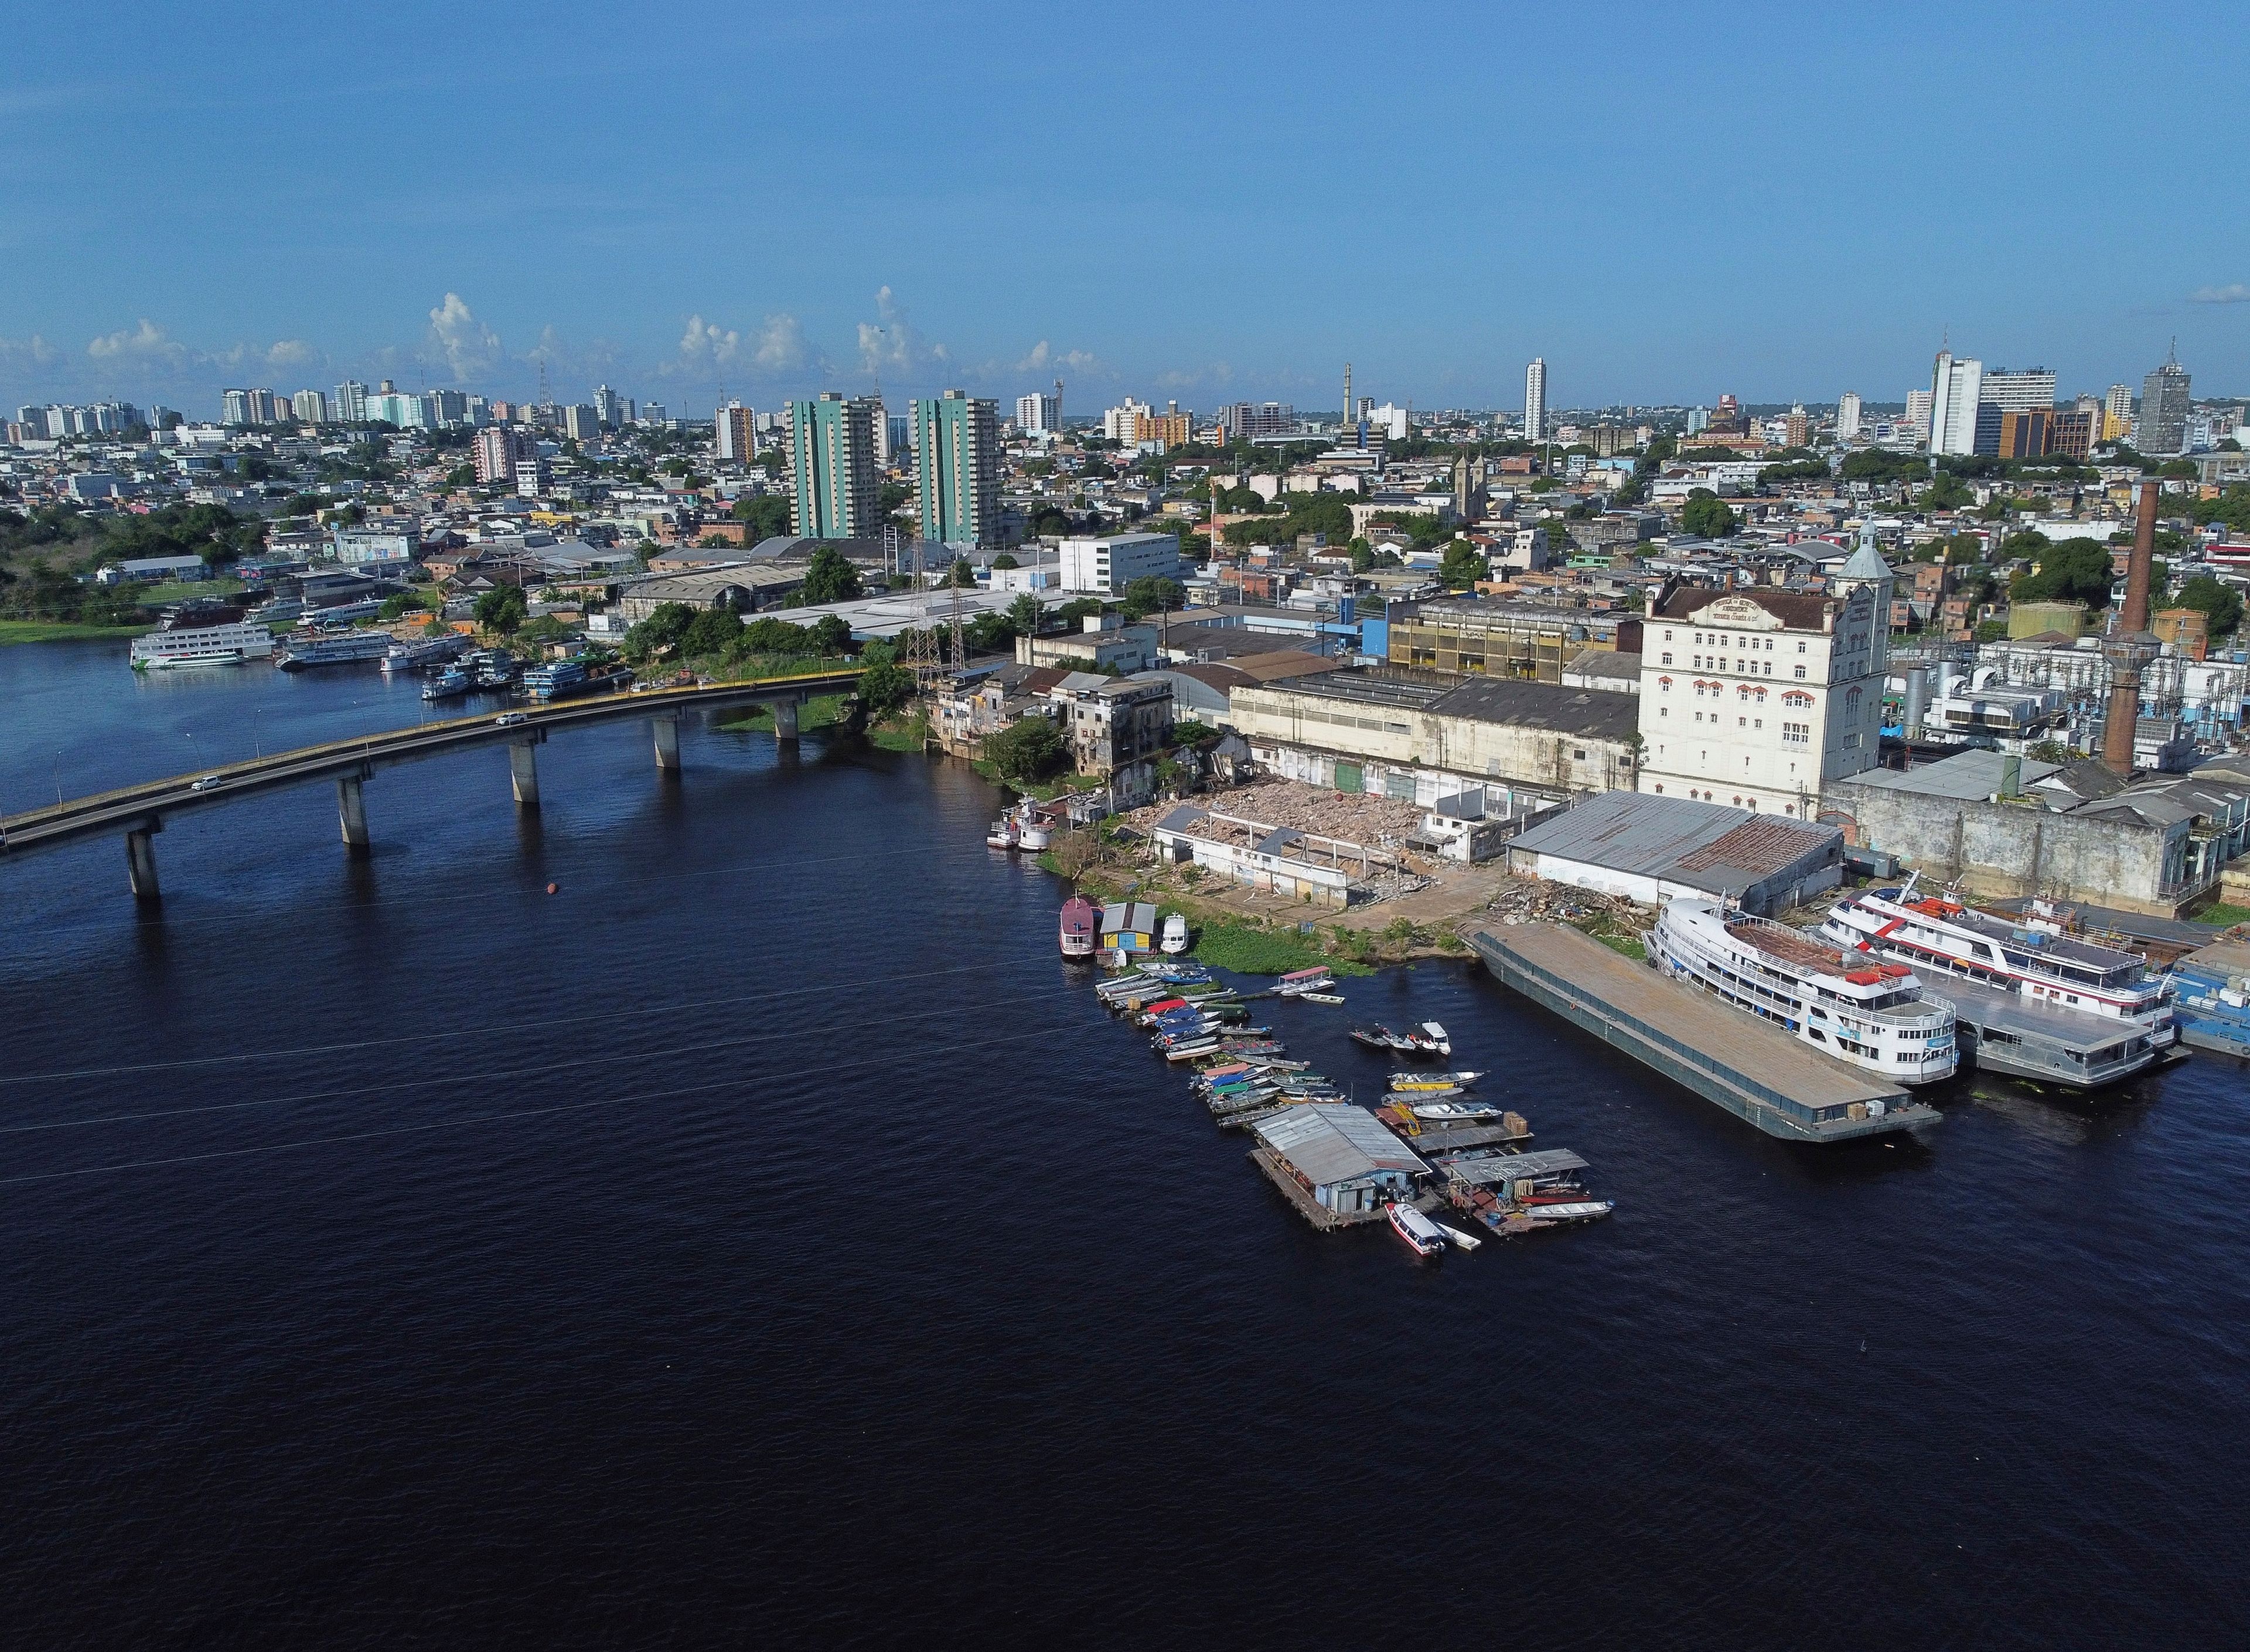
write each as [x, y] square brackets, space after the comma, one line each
[2125, 664]
[2136, 618]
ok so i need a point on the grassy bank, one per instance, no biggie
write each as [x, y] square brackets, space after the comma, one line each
[1248, 950]
[60, 632]
[900, 734]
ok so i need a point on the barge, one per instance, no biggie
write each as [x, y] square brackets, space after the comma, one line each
[1760, 1074]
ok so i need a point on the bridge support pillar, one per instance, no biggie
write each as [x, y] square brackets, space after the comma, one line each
[668, 744]
[784, 715]
[523, 772]
[141, 860]
[351, 814]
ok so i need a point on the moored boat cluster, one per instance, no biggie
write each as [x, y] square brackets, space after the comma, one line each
[1431, 1145]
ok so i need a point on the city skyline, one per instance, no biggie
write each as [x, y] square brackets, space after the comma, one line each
[634, 247]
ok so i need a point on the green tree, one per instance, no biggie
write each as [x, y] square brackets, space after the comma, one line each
[1006, 560]
[963, 574]
[1025, 615]
[770, 636]
[664, 628]
[768, 516]
[1947, 493]
[2075, 571]
[830, 578]
[832, 635]
[396, 608]
[1028, 750]
[2219, 602]
[1152, 595]
[885, 686]
[1705, 515]
[1363, 555]
[711, 631]
[503, 609]
[1463, 565]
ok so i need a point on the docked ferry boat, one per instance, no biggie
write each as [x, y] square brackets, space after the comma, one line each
[1871, 1016]
[172, 646]
[2033, 1004]
[2036, 960]
[1079, 921]
[348, 648]
[421, 654]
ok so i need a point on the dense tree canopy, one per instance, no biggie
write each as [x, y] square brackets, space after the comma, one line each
[1705, 515]
[2219, 602]
[2074, 571]
[1029, 749]
[768, 516]
[830, 578]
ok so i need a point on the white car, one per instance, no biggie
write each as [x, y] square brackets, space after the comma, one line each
[509, 720]
[205, 784]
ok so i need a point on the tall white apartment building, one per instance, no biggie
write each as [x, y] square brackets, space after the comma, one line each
[1956, 388]
[1123, 424]
[734, 432]
[1917, 413]
[2030, 391]
[1847, 417]
[310, 407]
[1038, 413]
[1535, 399]
[2117, 413]
[1758, 699]
[351, 402]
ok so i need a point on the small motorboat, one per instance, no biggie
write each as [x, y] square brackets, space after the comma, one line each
[1417, 1230]
[1003, 833]
[1411, 1080]
[1378, 1038]
[1298, 982]
[1175, 939]
[1320, 998]
[1428, 1039]
[1456, 1113]
[1578, 1210]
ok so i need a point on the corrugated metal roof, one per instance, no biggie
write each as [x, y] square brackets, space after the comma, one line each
[1703, 845]
[1970, 775]
[1507, 1166]
[1333, 1141]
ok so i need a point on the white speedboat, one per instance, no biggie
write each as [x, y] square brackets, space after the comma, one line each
[1875, 1016]
[1175, 938]
[1412, 1080]
[1417, 1230]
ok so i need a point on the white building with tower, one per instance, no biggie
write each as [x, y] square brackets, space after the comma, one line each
[1847, 417]
[1535, 399]
[1039, 414]
[1758, 699]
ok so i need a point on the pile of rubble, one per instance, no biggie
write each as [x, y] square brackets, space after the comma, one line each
[1531, 900]
[1358, 817]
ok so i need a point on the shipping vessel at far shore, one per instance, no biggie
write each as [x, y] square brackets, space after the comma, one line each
[1873, 1016]
[179, 642]
[348, 648]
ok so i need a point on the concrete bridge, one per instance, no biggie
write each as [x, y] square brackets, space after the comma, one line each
[138, 811]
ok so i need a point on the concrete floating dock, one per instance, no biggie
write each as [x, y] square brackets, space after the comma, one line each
[1689, 1037]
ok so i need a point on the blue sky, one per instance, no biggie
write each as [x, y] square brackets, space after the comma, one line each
[1200, 202]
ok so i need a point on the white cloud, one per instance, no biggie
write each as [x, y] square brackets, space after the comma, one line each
[144, 341]
[467, 344]
[782, 346]
[34, 351]
[891, 341]
[707, 342]
[1044, 358]
[2234, 293]
[291, 353]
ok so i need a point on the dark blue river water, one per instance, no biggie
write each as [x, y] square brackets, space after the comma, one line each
[765, 1240]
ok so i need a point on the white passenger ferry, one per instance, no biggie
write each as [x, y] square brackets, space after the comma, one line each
[169, 647]
[2035, 960]
[1875, 1016]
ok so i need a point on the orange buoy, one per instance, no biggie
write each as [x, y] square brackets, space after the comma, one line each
[553, 888]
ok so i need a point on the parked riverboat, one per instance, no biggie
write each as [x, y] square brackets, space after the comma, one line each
[1426, 1237]
[174, 645]
[1872, 1015]
[1079, 924]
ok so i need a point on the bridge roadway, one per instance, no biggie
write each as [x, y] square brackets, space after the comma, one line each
[139, 810]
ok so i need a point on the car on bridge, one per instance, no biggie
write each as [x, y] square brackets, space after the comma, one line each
[205, 784]
[509, 720]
